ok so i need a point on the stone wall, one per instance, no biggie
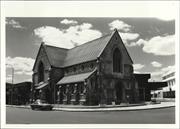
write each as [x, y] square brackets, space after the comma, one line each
[51, 74]
[124, 78]
[55, 75]
[42, 57]
[80, 68]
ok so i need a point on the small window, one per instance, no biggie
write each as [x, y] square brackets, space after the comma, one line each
[82, 67]
[74, 69]
[92, 65]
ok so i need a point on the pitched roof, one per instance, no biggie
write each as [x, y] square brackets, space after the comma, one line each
[60, 57]
[75, 78]
[86, 52]
[56, 55]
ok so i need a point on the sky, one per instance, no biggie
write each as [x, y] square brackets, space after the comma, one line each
[149, 41]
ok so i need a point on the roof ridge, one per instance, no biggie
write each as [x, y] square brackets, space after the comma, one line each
[111, 34]
[81, 44]
[91, 41]
[56, 46]
[47, 54]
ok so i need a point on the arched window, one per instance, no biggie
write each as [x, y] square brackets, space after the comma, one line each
[116, 61]
[41, 72]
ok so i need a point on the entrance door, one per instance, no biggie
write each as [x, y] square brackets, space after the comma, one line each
[118, 88]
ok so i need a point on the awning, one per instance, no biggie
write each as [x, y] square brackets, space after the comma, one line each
[75, 78]
[41, 85]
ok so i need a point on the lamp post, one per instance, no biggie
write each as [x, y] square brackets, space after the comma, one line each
[12, 79]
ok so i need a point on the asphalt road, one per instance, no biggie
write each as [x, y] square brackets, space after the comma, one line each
[28, 116]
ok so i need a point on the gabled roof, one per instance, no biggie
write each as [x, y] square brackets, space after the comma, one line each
[56, 55]
[86, 52]
[60, 57]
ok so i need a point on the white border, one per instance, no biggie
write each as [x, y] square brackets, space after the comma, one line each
[88, 9]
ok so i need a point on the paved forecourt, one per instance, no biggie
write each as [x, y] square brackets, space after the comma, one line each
[27, 116]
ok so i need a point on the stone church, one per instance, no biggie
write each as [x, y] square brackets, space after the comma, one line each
[97, 72]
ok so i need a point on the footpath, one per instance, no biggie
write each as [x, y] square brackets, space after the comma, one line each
[103, 108]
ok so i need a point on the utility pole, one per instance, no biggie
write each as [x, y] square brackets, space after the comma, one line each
[12, 81]
[12, 85]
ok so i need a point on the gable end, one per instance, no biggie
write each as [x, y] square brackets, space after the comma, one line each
[41, 47]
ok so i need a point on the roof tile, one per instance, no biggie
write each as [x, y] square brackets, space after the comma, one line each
[86, 52]
[61, 57]
[76, 78]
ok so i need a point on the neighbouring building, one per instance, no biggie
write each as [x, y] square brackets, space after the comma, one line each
[19, 93]
[168, 90]
[143, 86]
[97, 72]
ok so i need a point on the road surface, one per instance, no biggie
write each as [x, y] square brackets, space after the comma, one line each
[28, 116]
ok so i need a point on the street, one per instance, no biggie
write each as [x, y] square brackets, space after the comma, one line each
[28, 116]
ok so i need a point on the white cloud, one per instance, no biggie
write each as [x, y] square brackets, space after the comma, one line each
[67, 22]
[137, 66]
[53, 36]
[128, 38]
[120, 25]
[9, 78]
[141, 42]
[136, 72]
[67, 38]
[156, 64]
[21, 65]
[168, 69]
[29, 80]
[124, 31]
[14, 24]
[157, 75]
[159, 45]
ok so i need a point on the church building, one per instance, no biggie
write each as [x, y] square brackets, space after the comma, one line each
[97, 72]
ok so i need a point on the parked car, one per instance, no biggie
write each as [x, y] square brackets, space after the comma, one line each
[41, 105]
[155, 101]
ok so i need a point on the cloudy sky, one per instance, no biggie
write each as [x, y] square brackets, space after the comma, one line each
[150, 41]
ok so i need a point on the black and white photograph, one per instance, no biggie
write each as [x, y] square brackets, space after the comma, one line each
[83, 67]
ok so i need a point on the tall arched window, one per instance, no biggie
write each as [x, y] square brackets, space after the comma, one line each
[41, 72]
[116, 61]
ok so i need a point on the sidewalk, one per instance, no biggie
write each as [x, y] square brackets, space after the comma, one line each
[123, 108]
[78, 108]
